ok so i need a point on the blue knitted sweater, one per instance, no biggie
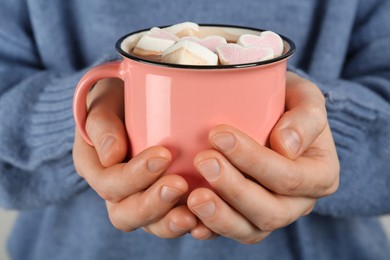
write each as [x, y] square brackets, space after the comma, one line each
[45, 47]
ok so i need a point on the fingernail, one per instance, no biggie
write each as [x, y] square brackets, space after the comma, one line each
[169, 195]
[106, 143]
[291, 140]
[156, 164]
[176, 229]
[225, 141]
[209, 169]
[205, 210]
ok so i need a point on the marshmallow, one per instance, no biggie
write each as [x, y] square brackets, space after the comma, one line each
[189, 44]
[230, 34]
[231, 53]
[162, 34]
[130, 42]
[154, 42]
[187, 52]
[210, 42]
[266, 39]
[183, 29]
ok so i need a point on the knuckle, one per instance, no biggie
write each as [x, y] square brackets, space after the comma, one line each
[321, 96]
[117, 220]
[144, 213]
[236, 195]
[316, 91]
[316, 112]
[276, 220]
[291, 183]
[269, 225]
[331, 186]
[336, 180]
[100, 188]
[128, 173]
[332, 189]
[104, 195]
[134, 186]
[134, 179]
[104, 189]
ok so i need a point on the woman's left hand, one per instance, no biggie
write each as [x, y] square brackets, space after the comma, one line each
[257, 189]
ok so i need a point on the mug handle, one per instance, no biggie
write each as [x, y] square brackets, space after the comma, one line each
[107, 70]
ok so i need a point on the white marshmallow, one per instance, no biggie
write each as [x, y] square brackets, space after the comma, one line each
[187, 52]
[230, 34]
[183, 29]
[154, 42]
[130, 42]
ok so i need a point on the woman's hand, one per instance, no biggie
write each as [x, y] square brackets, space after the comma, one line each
[135, 193]
[259, 189]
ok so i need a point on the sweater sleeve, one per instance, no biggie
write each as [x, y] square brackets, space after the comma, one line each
[37, 127]
[360, 122]
[358, 106]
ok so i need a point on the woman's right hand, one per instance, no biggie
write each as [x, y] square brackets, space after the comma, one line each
[136, 193]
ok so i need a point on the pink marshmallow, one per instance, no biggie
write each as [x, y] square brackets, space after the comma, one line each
[230, 54]
[266, 39]
[210, 42]
[162, 34]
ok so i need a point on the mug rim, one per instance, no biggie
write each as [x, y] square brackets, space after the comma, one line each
[285, 55]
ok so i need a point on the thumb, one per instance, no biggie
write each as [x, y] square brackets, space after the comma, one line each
[104, 123]
[304, 121]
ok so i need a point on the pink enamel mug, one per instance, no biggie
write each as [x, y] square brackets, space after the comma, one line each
[176, 106]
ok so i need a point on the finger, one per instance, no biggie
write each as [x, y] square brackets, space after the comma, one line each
[108, 135]
[222, 219]
[104, 123]
[313, 175]
[201, 232]
[304, 121]
[175, 223]
[146, 207]
[121, 180]
[266, 210]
